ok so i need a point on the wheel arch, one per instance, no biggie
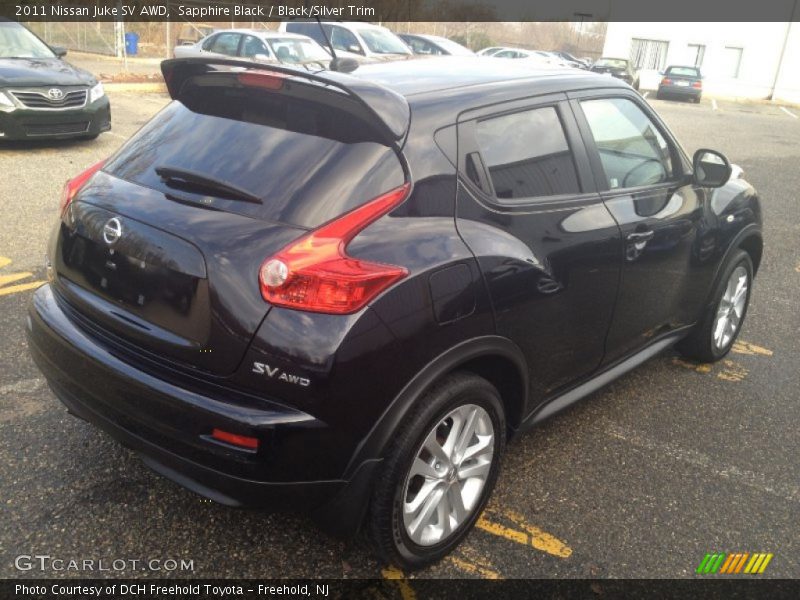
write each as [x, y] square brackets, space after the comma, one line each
[495, 358]
[753, 244]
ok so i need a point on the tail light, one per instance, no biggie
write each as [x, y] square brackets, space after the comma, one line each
[243, 441]
[262, 79]
[74, 185]
[666, 81]
[315, 274]
[697, 84]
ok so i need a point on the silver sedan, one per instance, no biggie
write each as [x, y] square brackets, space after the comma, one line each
[259, 46]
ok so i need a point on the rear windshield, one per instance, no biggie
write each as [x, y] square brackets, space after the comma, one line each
[614, 63]
[683, 71]
[308, 162]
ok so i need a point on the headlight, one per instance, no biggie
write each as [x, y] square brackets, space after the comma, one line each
[96, 93]
[5, 101]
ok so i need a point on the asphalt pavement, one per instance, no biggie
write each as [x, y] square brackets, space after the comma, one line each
[642, 479]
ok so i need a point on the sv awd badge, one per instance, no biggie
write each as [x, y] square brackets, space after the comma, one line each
[276, 373]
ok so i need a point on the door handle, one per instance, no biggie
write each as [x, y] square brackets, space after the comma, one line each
[641, 236]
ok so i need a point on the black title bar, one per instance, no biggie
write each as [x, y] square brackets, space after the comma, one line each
[399, 10]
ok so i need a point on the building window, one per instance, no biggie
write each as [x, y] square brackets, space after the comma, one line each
[731, 62]
[649, 54]
[696, 54]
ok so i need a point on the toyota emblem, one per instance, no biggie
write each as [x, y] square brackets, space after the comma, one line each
[55, 94]
[112, 231]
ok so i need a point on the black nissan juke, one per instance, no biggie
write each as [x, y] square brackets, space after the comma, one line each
[348, 292]
[41, 95]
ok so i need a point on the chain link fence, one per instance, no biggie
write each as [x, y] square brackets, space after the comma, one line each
[96, 37]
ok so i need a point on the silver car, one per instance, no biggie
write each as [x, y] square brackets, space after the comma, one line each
[259, 46]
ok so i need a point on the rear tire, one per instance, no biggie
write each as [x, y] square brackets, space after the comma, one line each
[425, 503]
[717, 330]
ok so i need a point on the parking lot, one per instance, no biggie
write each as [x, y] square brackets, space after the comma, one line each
[642, 479]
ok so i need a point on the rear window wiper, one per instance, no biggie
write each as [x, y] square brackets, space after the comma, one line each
[186, 178]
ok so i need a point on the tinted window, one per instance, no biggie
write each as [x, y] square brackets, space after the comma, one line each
[226, 43]
[252, 46]
[527, 154]
[632, 150]
[307, 161]
[421, 46]
[383, 41]
[312, 30]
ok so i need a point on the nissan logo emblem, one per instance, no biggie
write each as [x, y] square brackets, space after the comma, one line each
[112, 231]
[55, 94]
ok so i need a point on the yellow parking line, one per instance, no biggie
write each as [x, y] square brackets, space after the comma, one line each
[6, 289]
[530, 534]
[474, 569]
[742, 347]
[732, 371]
[700, 368]
[396, 575]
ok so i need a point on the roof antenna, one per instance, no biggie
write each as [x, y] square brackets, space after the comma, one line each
[343, 64]
[327, 39]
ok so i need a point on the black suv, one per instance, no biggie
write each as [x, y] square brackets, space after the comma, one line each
[348, 292]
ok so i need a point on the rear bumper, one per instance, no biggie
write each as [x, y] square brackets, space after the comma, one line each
[679, 91]
[28, 124]
[141, 411]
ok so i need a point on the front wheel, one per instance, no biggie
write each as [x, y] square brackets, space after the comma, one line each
[439, 472]
[713, 337]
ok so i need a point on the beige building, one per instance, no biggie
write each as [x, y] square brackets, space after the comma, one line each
[741, 60]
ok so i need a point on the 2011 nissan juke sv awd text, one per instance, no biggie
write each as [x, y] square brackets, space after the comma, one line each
[347, 292]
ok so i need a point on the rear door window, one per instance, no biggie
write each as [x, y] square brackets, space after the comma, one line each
[527, 154]
[252, 46]
[307, 161]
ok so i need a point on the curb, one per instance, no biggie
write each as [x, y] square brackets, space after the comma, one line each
[145, 87]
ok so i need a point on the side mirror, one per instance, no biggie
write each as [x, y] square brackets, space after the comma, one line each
[343, 64]
[711, 168]
[354, 48]
[262, 58]
[59, 51]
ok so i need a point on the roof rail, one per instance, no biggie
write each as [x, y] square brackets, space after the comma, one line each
[386, 109]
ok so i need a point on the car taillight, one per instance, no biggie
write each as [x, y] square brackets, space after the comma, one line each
[697, 84]
[243, 441]
[315, 273]
[666, 81]
[262, 79]
[74, 185]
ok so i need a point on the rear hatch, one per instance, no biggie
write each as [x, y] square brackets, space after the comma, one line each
[162, 248]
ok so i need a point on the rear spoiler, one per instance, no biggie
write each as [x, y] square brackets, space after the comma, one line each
[385, 109]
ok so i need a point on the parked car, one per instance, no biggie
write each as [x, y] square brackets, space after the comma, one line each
[579, 63]
[433, 45]
[191, 33]
[620, 68]
[43, 96]
[362, 41]
[537, 57]
[490, 50]
[349, 292]
[258, 45]
[681, 82]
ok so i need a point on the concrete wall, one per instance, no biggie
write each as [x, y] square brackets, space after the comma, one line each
[761, 45]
